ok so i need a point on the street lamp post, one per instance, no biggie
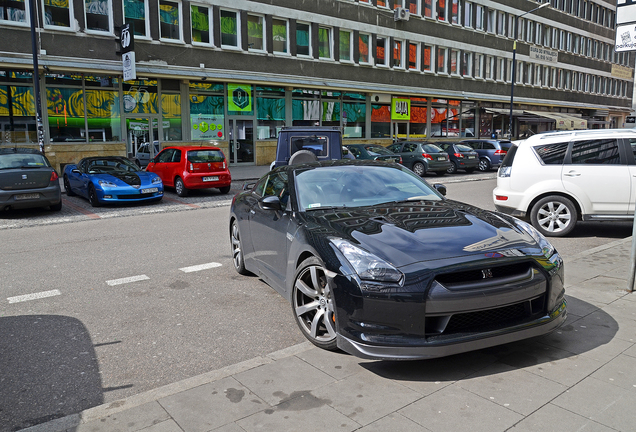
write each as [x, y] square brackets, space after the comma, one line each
[513, 77]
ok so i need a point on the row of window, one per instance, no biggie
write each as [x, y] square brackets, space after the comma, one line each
[451, 10]
[98, 14]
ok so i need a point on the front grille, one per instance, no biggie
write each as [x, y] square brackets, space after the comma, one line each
[137, 196]
[486, 320]
[491, 273]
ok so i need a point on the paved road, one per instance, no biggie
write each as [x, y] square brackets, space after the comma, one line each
[99, 304]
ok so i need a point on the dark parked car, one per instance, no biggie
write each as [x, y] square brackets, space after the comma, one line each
[28, 180]
[373, 152]
[376, 262]
[422, 157]
[462, 157]
[491, 151]
[111, 179]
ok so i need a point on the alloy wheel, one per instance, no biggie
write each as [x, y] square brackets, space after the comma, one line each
[314, 305]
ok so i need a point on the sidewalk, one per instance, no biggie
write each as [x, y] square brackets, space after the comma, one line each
[582, 377]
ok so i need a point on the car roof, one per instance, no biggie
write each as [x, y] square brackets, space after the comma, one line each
[19, 150]
[187, 148]
[335, 163]
[548, 138]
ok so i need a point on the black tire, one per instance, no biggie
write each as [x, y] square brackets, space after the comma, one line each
[225, 189]
[180, 188]
[56, 207]
[452, 169]
[67, 187]
[554, 216]
[313, 304]
[419, 169]
[237, 250]
[484, 164]
[92, 196]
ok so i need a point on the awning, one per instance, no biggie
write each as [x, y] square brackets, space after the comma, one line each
[504, 111]
[563, 121]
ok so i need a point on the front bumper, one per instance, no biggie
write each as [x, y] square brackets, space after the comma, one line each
[539, 327]
[451, 309]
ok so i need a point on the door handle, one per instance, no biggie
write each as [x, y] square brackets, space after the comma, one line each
[572, 174]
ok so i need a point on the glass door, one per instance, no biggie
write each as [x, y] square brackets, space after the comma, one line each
[399, 131]
[241, 141]
[142, 139]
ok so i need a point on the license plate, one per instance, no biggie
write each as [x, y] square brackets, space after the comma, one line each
[149, 190]
[390, 160]
[441, 158]
[27, 196]
[471, 157]
[212, 178]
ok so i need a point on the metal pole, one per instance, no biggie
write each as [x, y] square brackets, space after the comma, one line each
[36, 77]
[513, 78]
[632, 272]
[514, 70]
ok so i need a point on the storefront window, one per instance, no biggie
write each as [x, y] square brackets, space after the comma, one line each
[102, 109]
[65, 107]
[354, 115]
[207, 108]
[136, 14]
[98, 15]
[13, 11]
[140, 97]
[58, 13]
[17, 111]
[445, 118]
[270, 103]
[380, 121]
[306, 107]
[467, 124]
[171, 116]
[417, 126]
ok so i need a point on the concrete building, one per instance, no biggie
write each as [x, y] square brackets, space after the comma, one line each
[231, 73]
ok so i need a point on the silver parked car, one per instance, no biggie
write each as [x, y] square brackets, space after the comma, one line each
[28, 180]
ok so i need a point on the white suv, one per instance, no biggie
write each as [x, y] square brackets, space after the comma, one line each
[556, 179]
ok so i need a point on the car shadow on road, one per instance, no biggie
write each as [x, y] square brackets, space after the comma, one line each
[49, 370]
[609, 229]
[587, 328]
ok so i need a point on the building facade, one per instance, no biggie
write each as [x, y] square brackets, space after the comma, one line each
[232, 73]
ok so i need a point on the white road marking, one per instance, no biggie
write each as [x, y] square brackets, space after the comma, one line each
[34, 296]
[127, 280]
[200, 267]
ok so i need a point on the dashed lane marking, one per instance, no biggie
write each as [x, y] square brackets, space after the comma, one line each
[200, 267]
[34, 296]
[114, 282]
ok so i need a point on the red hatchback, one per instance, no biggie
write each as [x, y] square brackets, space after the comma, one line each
[192, 167]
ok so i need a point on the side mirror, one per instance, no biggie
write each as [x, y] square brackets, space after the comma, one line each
[76, 171]
[248, 186]
[270, 203]
[440, 188]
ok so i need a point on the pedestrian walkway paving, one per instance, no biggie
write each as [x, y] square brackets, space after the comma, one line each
[579, 378]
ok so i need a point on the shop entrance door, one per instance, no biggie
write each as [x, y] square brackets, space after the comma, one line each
[143, 143]
[399, 131]
[241, 140]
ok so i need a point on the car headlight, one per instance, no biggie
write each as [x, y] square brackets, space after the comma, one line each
[106, 183]
[368, 266]
[156, 180]
[546, 247]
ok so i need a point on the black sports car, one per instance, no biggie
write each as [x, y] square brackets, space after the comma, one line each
[380, 264]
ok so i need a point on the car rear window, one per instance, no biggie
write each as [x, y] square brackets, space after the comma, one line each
[510, 157]
[505, 146]
[552, 154]
[431, 148]
[203, 156]
[18, 160]
[463, 148]
[315, 144]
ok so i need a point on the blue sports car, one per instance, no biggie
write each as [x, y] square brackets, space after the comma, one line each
[111, 179]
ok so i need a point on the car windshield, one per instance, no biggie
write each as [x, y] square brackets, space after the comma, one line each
[375, 150]
[203, 156]
[359, 185]
[22, 160]
[108, 166]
